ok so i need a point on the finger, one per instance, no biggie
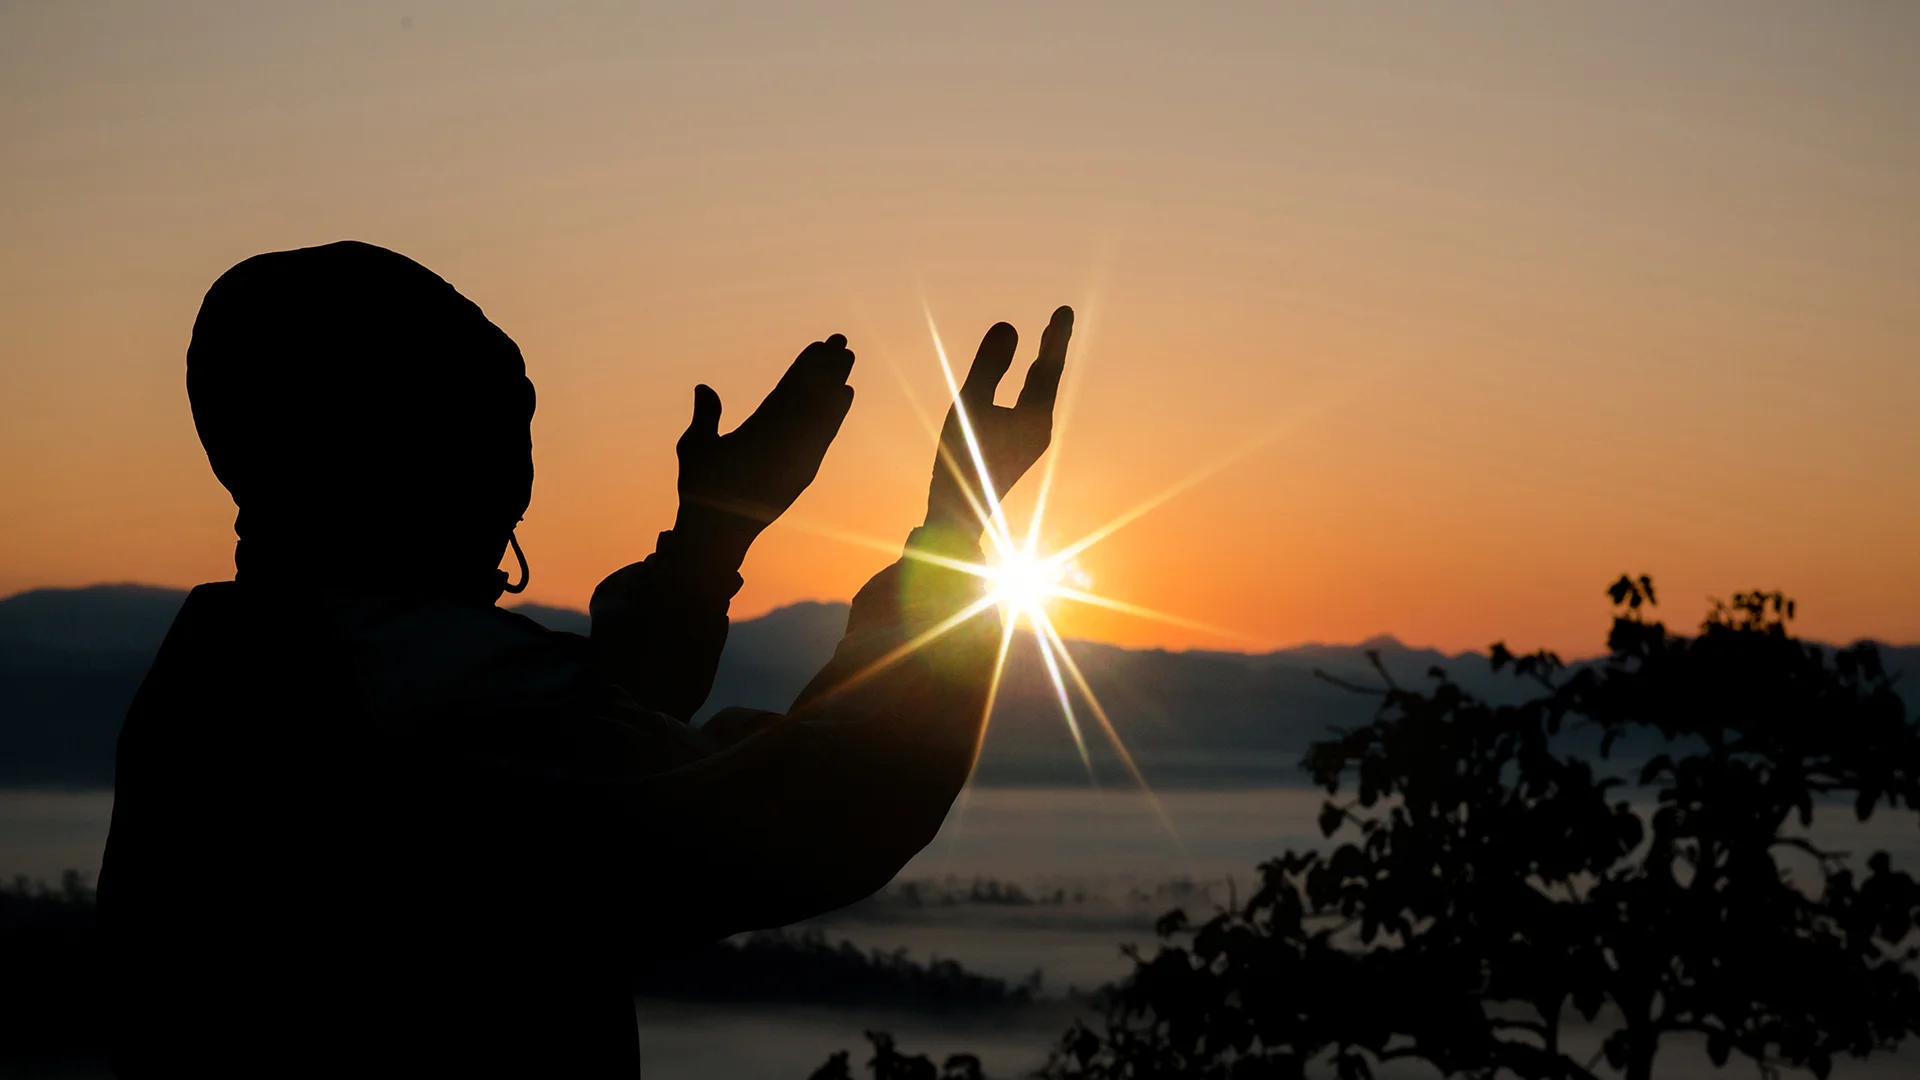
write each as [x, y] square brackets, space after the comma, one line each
[705, 425]
[831, 363]
[821, 364]
[1043, 378]
[799, 372]
[834, 413]
[989, 364]
[797, 385]
[841, 367]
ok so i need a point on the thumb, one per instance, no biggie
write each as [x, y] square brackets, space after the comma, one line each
[705, 426]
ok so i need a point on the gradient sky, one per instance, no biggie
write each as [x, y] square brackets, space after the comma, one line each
[1533, 294]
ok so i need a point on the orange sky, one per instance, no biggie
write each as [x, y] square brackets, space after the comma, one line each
[1534, 295]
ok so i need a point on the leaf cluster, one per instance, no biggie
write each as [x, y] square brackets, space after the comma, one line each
[1486, 885]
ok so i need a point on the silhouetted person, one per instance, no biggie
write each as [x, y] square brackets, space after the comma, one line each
[367, 822]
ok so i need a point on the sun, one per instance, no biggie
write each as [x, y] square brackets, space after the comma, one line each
[1022, 583]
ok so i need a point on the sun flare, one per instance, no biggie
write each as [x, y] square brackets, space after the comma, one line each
[1023, 583]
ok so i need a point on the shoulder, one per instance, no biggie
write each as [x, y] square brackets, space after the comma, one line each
[426, 656]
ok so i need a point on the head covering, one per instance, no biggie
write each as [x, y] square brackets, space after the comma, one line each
[371, 424]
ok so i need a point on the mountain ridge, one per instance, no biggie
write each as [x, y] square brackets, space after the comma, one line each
[71, 659]
[37, 601]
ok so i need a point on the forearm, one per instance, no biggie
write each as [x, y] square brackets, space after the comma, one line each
[900, 708]
[830, 802]
[659, 626]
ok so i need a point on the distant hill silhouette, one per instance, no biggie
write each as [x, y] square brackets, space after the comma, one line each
[70, 660]
[94, 619]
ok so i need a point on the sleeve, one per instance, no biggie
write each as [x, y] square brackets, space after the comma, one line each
[659, 627]
[823, 806]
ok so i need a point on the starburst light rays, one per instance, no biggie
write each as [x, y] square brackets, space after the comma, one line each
[1106, 724]
[997, 526]
[1023, 581]
[905, 649]
[1066, 706]
[1082, 596]
[1085, 324]
[993, 684]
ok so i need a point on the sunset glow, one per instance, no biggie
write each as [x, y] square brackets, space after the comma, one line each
[1531, 297]
[991, 500]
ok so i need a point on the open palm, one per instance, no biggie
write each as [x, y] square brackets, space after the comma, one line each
[732, 486]
[1010, 440]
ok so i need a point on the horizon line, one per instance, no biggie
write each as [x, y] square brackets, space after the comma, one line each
[1381, 639]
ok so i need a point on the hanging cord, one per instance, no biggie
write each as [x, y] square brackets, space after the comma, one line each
[525, 574]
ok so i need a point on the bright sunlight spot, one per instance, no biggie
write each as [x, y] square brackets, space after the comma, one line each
[1023, 583]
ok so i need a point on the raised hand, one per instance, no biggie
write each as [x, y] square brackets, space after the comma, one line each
[733, 486]
[1010, 439]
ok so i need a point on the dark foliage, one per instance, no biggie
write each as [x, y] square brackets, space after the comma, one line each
[954, 892]
[1492, 888]
[888, 1063]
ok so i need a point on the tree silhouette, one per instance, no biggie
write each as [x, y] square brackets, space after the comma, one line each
[888, 1063]
[1495, 881]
